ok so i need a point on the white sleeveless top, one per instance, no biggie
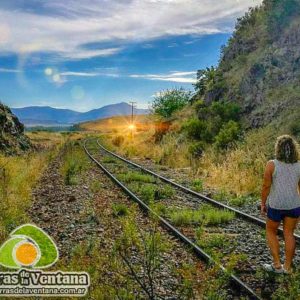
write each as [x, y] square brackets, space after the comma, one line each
[284, 190]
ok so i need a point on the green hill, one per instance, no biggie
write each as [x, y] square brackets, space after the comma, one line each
[259, 68]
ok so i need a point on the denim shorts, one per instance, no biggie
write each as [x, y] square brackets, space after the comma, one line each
[278, 215]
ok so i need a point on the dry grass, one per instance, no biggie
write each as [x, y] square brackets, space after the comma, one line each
[18, 176]
[171, 151]
[46, 140]
[239, 170]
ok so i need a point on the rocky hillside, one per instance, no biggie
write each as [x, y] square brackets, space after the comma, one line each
[260, 66]
[12, 138]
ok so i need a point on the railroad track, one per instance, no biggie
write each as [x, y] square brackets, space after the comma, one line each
[245, 231]
[240, 284]
[240, 214]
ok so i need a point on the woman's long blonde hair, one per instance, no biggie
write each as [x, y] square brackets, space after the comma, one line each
[287, 149]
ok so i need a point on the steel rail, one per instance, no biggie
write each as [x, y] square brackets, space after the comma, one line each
[197, 250]
[238, 213]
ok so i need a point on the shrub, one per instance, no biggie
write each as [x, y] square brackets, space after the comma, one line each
[219, 118]
[229, 133]
[169, 101]
[118, 140]
[226, 110]
[197, 129]
[196, 149]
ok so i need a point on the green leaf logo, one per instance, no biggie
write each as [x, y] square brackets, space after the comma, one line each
[28, 246]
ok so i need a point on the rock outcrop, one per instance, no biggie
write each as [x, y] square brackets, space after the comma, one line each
[12, 137]
[260, 65]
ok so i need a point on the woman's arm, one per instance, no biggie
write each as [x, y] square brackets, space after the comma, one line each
[266, 185]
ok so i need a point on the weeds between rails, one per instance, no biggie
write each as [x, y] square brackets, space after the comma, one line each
[246, 244]
[231, 260]
[197, 185]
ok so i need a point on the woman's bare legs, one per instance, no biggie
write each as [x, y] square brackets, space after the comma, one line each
[289, 225]
[273, 242]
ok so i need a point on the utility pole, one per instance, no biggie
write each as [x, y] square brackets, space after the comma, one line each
[132, 107]
[132, 124]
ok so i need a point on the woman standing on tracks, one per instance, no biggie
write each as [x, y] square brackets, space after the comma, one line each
[281, 201]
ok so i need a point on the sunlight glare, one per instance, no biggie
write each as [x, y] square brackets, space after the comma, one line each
[131, 126]
[48, 71]
[56, 78]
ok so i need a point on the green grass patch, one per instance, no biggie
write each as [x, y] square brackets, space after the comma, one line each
[221, 196]
[197, 185]
[136, 176]
[164, 192]
[205, 215]
[213, 241]
[119, 209]
[150, 192]
[238, 201]
[160, 209]
[147, 192]
[109, 159]
[75, 162]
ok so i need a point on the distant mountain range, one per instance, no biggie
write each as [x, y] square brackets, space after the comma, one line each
[49, 116]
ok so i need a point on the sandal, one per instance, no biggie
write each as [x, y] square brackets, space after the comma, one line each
[272, 268]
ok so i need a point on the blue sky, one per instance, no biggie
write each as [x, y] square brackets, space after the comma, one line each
[86, 54]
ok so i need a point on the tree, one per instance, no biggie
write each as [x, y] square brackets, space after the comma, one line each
[210, 84]
[205, 79]
[169, 101]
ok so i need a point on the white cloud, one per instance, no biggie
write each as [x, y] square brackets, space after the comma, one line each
[175, 73]
[81, 54]
[80, 74]
[68, 25]
[180, 77]
[106, 72]
[4, 70]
